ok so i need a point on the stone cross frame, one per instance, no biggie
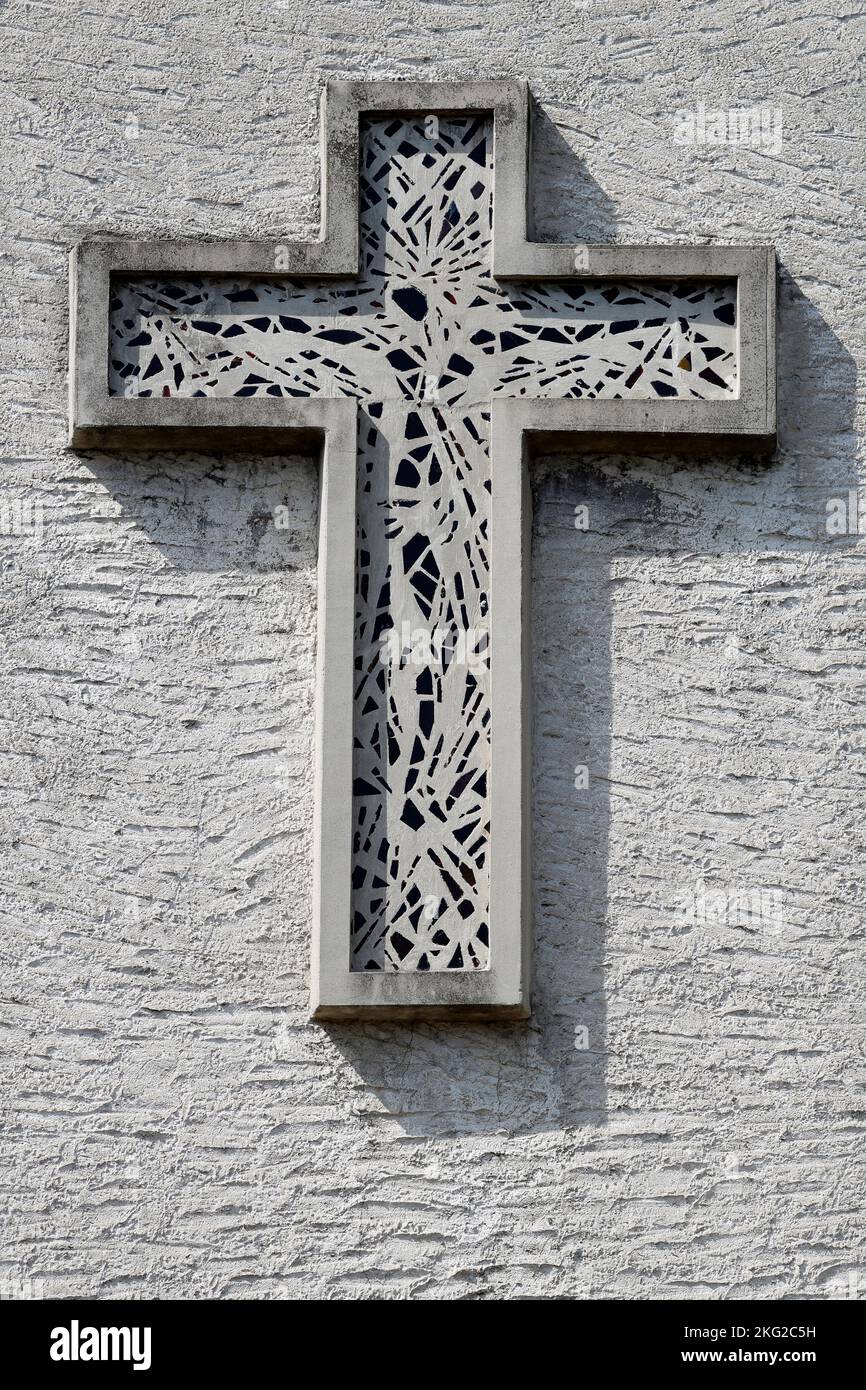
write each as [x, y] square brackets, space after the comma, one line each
[424, 344]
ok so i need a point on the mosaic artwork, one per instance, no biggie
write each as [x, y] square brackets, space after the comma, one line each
[424, 339]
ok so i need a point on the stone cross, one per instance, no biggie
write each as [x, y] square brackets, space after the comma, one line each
[423, 344]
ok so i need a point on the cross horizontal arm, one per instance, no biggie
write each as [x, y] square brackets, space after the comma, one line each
[98, 419]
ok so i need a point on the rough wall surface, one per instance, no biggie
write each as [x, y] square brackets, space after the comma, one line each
[683, 1116]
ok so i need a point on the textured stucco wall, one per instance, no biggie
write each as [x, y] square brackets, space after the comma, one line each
[173, 1127]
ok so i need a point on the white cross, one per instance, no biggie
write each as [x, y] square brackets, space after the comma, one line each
[425, 368]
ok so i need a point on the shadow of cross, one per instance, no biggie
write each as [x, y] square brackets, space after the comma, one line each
[423, 343]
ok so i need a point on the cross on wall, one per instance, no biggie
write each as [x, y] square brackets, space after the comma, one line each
[424, 374]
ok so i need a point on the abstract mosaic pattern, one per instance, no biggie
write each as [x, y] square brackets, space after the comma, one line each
[212, 337]
[422, 721]
[424, 339]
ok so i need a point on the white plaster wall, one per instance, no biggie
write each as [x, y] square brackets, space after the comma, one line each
[173, 1126]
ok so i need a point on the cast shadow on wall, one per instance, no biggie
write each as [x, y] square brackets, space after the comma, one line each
[593, 914]
[551, 1073]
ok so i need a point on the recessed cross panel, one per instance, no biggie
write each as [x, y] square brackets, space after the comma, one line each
[421, 881]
